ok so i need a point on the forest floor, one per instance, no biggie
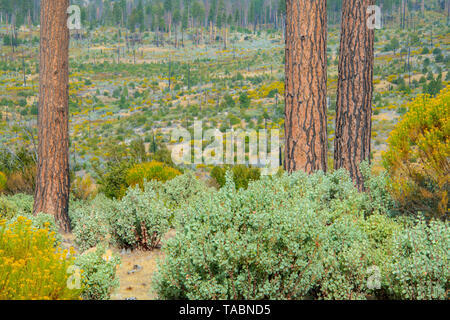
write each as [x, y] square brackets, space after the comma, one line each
[136, 271]
[135, 275]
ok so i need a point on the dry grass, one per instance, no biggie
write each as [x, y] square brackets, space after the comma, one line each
[139, 284]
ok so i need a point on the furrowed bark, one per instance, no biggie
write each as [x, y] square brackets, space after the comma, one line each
[52, 181]
[306, 86]
[355, 90]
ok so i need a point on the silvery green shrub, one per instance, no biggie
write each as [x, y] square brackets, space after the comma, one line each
[140, 218]
[287, 237]
[181, 189]
[91, 220]
[377, 196]
[420, 268]
[98, 274]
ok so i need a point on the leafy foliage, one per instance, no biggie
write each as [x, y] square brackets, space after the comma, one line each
[141, 219]
[418, 156]
[242, 175]
[30, 267]
[138, 220]
[12, 206]
[420, 268]
[90, 222]
[288, 237]
[98, 273]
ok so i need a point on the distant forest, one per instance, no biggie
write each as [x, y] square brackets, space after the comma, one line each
[168, 15]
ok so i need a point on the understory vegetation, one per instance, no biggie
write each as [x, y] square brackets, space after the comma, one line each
[248, 236]
[140, 70]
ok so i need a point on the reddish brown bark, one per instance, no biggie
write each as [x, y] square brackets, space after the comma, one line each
[52, 181]
[355, 90]
[306, 86]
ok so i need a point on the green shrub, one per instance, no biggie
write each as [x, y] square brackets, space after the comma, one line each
[300, 236]
[8, 210]
[112, 182]
[91, 224]
[12, 206]
[141, 218]
[181, 189]
[378, 198]
[242, 175]
[98, 274]
[420, 268]
[418, 156]
[285, 237]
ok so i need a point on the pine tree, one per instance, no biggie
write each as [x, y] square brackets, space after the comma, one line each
[306, 86]
[354, 90]
[52, 181]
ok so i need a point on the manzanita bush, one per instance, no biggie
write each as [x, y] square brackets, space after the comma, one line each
[296, 237]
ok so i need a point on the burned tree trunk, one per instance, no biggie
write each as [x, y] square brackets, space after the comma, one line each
[306, 86]
[52, 181]
[355, 90]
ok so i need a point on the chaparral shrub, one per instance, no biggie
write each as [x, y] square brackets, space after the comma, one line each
[112, 180]
[287, 237]
[97, 269]
[84, 188]
[11, 206]
[7, 208]
[180, 190]
[418, 156]
[30, 266]
[242, 175]
[420, 268]
[22, 181]
[300, 236]
[141, 218]
[91, 222]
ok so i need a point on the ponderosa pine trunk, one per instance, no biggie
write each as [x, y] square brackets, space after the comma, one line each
[354, 90]
[52, 181]
[306, 86]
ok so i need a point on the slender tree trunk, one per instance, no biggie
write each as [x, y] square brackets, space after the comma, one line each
[355, 90]
[23, 68]
[52, 181]
[306, 86]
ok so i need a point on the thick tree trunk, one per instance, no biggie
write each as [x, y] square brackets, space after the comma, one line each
[52, 181]
[306, 86]
[355, 90]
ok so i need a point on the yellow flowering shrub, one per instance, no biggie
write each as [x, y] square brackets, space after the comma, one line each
[2, 181]
[30, 266]
[267, 90]
[153, 170]
[418, 155]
